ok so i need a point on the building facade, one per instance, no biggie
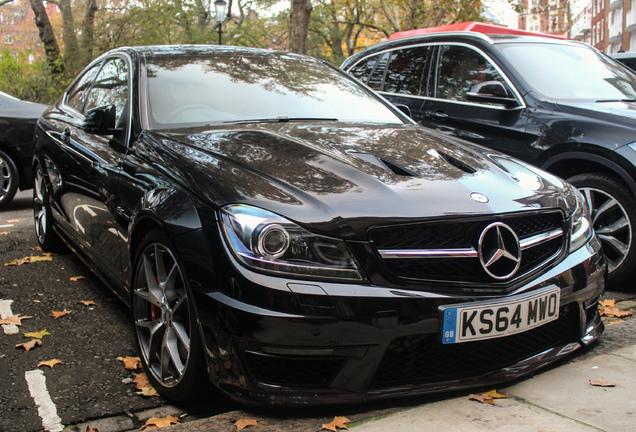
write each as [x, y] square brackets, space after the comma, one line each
[18, 32]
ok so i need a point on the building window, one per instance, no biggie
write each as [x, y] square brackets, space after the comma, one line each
[8, 39]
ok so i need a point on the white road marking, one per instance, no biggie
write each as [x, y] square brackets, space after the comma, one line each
[7, 226]
[5, 311]
[51, 422]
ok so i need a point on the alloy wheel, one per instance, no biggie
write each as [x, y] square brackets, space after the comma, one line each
[161, 314]
[40, 209]
[611, 223]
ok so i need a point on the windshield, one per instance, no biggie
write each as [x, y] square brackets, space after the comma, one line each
[186, 91]
[570, 72]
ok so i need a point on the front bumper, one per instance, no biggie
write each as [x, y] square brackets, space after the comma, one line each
[290, 342]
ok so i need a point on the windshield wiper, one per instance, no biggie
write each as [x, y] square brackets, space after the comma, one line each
[616, 100]
[281, 119]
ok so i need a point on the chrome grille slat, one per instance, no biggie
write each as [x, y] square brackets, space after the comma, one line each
[448, 251]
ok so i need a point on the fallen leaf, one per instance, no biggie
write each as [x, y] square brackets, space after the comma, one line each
[38, 335]
[495, 395]
[483, 398]
[57, 314]
[243, 423]
[5, 232]
[87, 302]
[607, 303]
[614, 322]
[13, 220]
[39, 258]
[602, 382]
[14, 319]
[47, 254]
[615, 312]
[50, 363]
[141, 380]
[130, 363]
[76, 278]
[337, 422]
[154, 422]
[90, 429]
[147, 392]
[28, 346]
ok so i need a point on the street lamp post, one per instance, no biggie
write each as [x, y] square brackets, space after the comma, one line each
[219, 7]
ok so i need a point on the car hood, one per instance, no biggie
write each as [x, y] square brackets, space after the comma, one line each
[623, 113]
[344, 178]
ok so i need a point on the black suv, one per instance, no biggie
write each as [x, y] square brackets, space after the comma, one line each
[560, 105]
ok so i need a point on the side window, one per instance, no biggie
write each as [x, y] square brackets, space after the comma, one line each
[110, 87]
[458, 69]
[405, 70]
[364, 69]
[77, 95]
[376, 80]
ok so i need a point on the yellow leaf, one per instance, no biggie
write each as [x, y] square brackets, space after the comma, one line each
[76, 278]
[28, 346]
[130, 363]
[148, 392]
[155, 422]
[5, 232]
[50, 363]
[39, 258]
[141, 380]
[614, 322]
[57, 314]
[47, 254]
[337, 422]
[87, 302]
[13, 220]
[243, 423]
[607, 303]
[38, 335]
[602, 382]
[14, 319]
[493, 394]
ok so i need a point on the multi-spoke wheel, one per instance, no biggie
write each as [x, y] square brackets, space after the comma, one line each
[9, 179]
[163, 316]
[46, 237]
[613, 212]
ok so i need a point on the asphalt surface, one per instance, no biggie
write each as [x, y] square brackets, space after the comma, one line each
[90, 387]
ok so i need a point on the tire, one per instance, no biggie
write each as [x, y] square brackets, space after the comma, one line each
[613, 211]
[9, 179]
[166, 330]
[47, 238]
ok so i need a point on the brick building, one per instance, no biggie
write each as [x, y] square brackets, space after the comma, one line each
[18, 32]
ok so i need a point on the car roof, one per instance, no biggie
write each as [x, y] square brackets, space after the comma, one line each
[197, 50]
[473, 26]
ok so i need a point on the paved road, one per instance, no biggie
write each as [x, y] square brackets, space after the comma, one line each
[90, 383]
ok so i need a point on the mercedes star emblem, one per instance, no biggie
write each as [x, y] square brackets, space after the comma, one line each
[499, 251]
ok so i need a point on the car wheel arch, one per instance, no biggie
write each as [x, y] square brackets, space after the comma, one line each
[569, 164]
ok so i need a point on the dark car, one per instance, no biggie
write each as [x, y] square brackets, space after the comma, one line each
[278, 228]
[560, 105]
[17, 121]
[626, 58]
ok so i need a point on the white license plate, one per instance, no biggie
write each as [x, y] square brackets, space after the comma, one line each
[487, 320]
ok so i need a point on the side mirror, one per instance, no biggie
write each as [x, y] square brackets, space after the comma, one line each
[101, 120]
[405, 109]
[491, 92]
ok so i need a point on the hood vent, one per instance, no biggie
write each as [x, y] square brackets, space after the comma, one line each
[455, 162]
[384, 163]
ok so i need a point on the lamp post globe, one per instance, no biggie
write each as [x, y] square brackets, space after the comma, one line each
[219, 8]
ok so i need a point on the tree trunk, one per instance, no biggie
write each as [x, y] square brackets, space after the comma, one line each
[71, 46]
[51, 48]
[88, 27]
[299, 25]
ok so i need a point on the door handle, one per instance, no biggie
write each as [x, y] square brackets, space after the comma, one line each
[438, 115]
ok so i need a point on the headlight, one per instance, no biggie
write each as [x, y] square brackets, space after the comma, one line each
[581, 223]
[269, 243]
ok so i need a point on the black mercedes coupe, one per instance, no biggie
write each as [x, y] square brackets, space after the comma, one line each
[281, 230]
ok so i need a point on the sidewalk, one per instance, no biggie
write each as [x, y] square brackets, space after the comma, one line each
[559, 400]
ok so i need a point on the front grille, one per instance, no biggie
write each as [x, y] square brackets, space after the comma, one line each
[463, 235]
[292, 371]
[424, 359]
